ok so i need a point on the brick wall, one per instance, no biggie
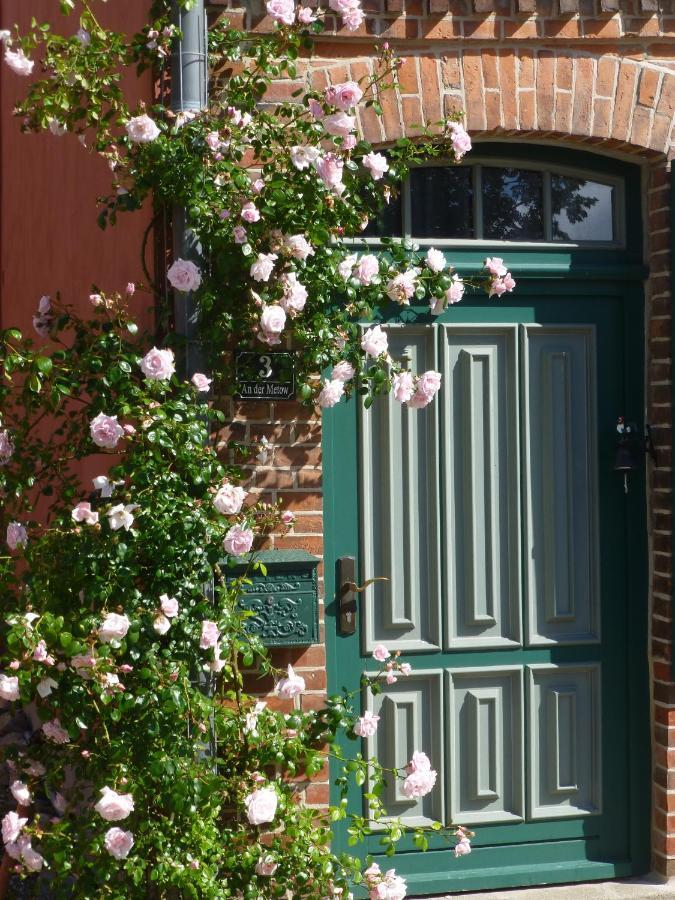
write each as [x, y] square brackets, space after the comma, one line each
[597, 73]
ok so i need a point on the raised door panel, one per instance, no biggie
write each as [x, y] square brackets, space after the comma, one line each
[411, 716]
[561, 505]
[485, 742]
[399, 508]
[481, 494]
[565, 738]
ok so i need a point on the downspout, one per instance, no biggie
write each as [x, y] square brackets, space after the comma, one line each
[189, 93]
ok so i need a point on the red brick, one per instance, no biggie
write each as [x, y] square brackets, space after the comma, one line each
[623, 105]
[564, 72]
[507, 78]
[649, 82]
[604, 85]
[407, 75]
[545, 64]
[602, 28]
[296, 500]
[450, 70]
[526, 69]
[583, 96]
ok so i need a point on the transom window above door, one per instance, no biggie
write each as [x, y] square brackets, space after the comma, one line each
[505, 202]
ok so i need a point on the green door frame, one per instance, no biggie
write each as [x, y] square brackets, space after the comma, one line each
[560, 269]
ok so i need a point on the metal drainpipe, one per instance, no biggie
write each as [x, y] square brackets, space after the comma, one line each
[189, 93]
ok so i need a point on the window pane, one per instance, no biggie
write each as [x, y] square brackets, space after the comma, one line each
[441, 200]
[582, 210]
[389, 221]
[512, 204]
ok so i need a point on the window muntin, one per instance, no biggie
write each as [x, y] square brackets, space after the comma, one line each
[505, 202]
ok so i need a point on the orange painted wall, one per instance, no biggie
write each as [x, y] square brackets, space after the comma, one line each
[49, 239]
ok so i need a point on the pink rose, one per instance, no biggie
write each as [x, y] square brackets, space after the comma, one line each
[17, 536]
[161, 624]
[6, 447]
[306, 16]
[297, 246]
[375, 342]
[344, 95]
[376, 164]
[158, 365]
[213, 141]
[403, 386]
[495, 266]
[291, 686]
[315, 108]
[419, 762]
[21, 793]
[429, 384]
[229, 499]
[282, 11]
[380, 653]
[500, 286]
[84, 513]
[346, 265]
[118, 843]
[142, 130]
[295, 294]
[114, 807]
[169, 606]
[18, 62]
[405, 668]
[40, 653]
[130, 289]
[209, 636]
[353, 19]
[390, 677]
[238, 540]
[239, 234]
[401, 287]
[272, 323]
[113, 628]
[184, 276]
[339, 124]
[421, 777]
[54, 731]
[343, 371]
[106, 431]
[263, 267]
[304, 157]
[249, 212]
[201, 382]
[331, 393]
[12, 825]
[266, 865]
[456, 290]
[288, 517]
[460, 140]
[329, 169]
[258, 186]
[366, 725]
[349, 141]
[261, 806]
[435, 260]
[366, 269]
[463, 847]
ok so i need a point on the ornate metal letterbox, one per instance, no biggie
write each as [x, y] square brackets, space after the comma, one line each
[285, 600]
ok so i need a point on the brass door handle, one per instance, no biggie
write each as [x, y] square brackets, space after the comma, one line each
[346, 595]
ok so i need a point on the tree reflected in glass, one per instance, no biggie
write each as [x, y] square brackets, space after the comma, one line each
[581, 210]
[512, 204]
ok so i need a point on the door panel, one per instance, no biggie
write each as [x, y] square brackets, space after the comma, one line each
[486, 745]
[560, 451]
[399, 486]
[505, 500]
[481, 499]
[566, 741]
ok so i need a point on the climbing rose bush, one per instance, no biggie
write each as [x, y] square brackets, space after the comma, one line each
[145, 768]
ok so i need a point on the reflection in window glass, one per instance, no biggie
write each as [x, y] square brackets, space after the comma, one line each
[512, 204]
[389, 221]
[582, 210]
[441, 201]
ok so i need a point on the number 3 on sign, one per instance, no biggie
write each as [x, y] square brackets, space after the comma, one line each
[266, 371]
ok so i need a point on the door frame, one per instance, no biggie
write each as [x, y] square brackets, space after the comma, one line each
[340, 452]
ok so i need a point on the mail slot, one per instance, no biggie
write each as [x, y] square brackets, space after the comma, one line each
[285, 600]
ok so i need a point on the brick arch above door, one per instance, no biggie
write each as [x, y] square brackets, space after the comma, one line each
[621, 104]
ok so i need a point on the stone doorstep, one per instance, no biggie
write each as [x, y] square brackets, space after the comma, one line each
[646, 888]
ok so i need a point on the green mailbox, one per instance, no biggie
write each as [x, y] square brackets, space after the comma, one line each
[285, 601]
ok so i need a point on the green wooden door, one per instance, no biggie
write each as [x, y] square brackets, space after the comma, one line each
[517, 582]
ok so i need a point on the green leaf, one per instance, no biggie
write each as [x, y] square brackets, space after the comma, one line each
[44, 364]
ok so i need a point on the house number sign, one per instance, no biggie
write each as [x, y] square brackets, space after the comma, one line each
[265, 376]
